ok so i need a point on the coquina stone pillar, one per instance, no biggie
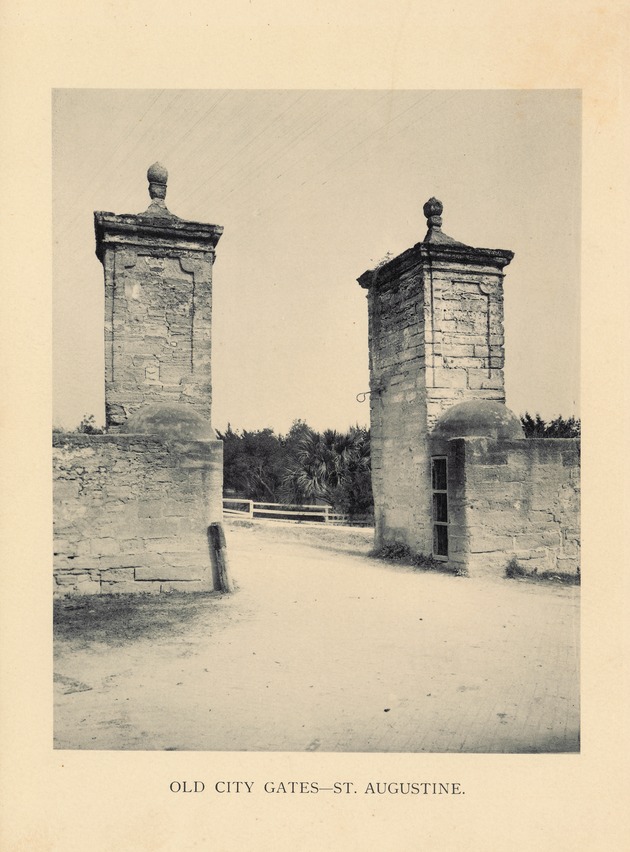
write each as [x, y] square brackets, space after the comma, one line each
[435, 339]
[158, 306]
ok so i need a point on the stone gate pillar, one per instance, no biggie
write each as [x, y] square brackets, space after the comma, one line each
[435, 339]
[158, 305]
[139, 508]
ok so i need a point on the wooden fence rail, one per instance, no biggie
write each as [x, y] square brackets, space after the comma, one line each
[237, 507]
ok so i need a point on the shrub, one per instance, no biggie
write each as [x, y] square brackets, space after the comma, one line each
[513, 569]
[395, 552]
[88, 426]
[398, 552]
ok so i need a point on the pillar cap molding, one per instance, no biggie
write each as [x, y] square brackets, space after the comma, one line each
[429, 253]
[152, 230]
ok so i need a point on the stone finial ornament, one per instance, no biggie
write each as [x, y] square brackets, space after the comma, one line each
[157, 176]
[433, 211]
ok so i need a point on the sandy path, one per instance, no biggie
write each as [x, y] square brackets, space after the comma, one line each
[323, 648]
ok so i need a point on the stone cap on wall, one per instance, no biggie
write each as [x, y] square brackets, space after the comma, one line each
[156, 226]
[483, 418]
[436, 247]
[169, 420]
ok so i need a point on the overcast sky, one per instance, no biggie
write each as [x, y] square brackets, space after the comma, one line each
[313, 188]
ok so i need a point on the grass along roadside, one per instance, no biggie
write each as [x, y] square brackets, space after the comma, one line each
[124, 618]
[515, 571]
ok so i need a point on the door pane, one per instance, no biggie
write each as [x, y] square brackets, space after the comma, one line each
[440, 540]
[439, 474]
[440, 511]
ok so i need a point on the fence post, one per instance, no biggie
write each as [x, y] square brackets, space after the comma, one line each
[218, 553]
[251, 508]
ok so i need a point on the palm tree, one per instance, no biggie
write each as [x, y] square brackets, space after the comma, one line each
[308, 477]
[333, 468]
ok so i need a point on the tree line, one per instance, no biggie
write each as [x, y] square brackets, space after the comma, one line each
[304, 466]
[561, 427]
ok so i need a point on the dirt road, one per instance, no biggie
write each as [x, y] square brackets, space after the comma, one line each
[323, 648]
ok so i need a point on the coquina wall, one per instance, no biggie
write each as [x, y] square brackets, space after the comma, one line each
[132, 513]
[513, 499]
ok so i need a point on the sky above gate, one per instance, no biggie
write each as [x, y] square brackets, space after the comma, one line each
[313, 188]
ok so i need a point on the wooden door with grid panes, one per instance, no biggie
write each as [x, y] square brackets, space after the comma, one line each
[439, 500]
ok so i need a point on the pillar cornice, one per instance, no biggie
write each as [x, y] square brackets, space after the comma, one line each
[447, 255]
[113, 229]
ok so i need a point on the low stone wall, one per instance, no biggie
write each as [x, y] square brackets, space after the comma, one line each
[514, 499]
[131, 513]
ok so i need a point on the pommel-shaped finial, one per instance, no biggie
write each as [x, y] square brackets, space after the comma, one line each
[157, 177]
[433, 211]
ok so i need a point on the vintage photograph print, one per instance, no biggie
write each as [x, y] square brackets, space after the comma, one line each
[316, 431]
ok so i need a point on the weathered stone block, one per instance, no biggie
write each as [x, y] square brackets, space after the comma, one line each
[121, 587]
[83, 585]
[167, 545]
[456, 361]
[104, 563]
[66, 489]
[479, 379]
[186, 586]
[172, 375]
[71, 579]
[485, 542]
[174, 572]
[158, 528]
[65, 547]
[84, 547]
[570, 550]
[198, 555]
[117, 575]
[568, 564]
[104, 546]
[551, 538]
[441, 394]
[450, 378]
